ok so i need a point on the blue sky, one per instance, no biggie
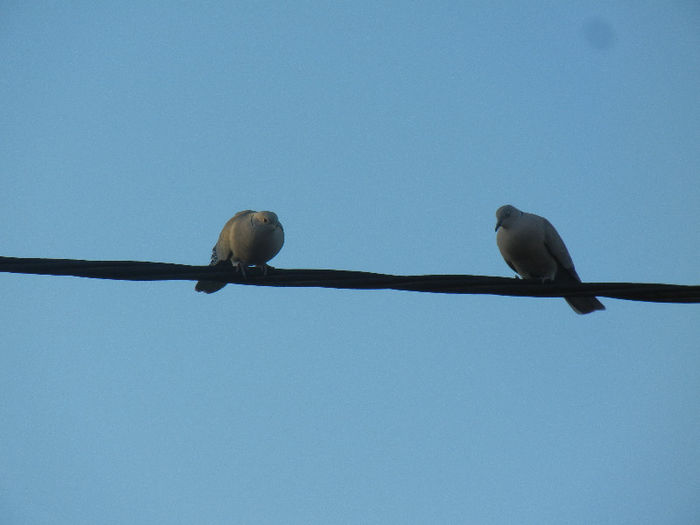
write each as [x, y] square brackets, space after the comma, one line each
[384, 137]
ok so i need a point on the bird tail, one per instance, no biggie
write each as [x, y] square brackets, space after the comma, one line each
[209, 286]
[581, 304]
[584, 304]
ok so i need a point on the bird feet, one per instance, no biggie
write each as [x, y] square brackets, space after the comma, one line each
[240, 267]
[264, 267]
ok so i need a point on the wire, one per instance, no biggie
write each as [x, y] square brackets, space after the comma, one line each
[344, 279]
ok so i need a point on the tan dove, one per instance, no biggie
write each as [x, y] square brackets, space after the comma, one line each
[533, 248]
[248, 238]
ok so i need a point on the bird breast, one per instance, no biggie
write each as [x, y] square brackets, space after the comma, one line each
[525, 248]
[256, 245]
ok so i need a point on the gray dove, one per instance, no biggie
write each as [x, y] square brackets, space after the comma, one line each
[533, 248]
[248, 238]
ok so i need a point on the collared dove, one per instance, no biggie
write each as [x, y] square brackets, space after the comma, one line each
[533, 248]
[249, 237]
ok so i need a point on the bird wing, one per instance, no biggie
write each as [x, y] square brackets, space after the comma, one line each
[557, 249]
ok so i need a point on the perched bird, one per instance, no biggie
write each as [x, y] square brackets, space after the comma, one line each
[248, 238]
[532, 247]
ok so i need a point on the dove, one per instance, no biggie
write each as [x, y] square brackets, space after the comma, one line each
[532, 247]
[248, 238]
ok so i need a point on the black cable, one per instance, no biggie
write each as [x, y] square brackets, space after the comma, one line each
[461, 284]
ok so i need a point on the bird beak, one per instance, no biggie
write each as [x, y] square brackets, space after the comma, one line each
[498, 225]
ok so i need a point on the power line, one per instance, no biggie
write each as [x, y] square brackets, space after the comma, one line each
[344, 279]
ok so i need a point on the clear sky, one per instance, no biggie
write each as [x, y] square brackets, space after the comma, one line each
[385, 137]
